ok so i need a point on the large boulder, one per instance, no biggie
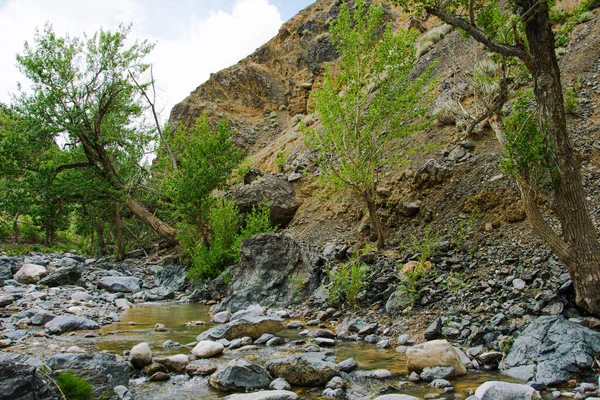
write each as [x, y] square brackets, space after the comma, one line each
[172, 277]
[265, 395]
[125, 284]
[274, 270]
[494, 390]
[67, 323]
[240, 376]
[140, 355]
[30, 273]
[436, 353]
[277, 191]
[24, 382]
[62, 276]
[307, 369]
[550, 349]
[5, 268]
[252, 326]
[103, 370]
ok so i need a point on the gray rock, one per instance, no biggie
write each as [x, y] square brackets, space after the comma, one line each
[396, 397]
[172, 278]
[397, 302]
[276, 190]
[140, 355]
[62, 276]
[431, 374]
[409, 209]
[124, 284]
[280, 384]
[494, 390]
[81, 296]
[66, 323]
[440, 383]
[103, 370]
[222, 317]
[253, 327]
[24, 382]
[6, 299]
[294, 176]
[122, 393]
[552, 348]
[434, 331]
[265, 395]
[30, 273]
[240, 375]
[207, 349]
[5, 270]
[267, 262]
[264, 338]
[348, 365]
[307, 369]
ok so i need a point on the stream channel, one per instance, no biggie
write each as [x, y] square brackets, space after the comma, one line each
[122, 336]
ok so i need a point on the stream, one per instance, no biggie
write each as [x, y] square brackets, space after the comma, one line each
[122, 336]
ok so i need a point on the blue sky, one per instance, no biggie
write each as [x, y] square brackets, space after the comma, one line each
[193, 37]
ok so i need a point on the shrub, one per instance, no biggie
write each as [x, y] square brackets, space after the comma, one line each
[585, 17]
[412, 281]
[74, 387]
[281, 160]
[426, 41]
[346, 282]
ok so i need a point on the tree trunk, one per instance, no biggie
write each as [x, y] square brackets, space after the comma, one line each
[119, 233]
[164, 230]
[16, 228]
[375, 221]
[99, 228]
[570, 205]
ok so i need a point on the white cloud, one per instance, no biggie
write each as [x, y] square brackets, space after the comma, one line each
[195, 42]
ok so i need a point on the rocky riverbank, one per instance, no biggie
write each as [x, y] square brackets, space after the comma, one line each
[53, 306]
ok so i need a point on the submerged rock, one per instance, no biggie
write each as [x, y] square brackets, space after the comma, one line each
[550, 349]
[308, 369]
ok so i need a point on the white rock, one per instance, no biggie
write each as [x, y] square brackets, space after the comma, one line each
[222, 317]
[435, 353]
[495, 390]
[207, 349]
[30, 273]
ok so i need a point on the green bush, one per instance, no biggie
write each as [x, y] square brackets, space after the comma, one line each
[346, 282]
[211, 252]
[74, 387]
[280, 160]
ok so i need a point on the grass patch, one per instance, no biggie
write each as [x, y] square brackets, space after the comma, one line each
[74, 387]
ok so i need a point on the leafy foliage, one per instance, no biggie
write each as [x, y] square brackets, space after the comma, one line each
[346, 282]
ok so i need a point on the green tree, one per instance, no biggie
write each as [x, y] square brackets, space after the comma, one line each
[365, 103]
[539, 143]
[86, 93]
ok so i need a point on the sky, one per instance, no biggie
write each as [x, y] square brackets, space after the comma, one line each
[194, 38]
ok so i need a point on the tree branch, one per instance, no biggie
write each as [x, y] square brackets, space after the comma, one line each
[480, 36]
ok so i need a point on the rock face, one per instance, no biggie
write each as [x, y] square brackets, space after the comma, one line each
[550, 349]
[269, 265]
[252, 326]
[494, 390]
[66, 323]
[5, 269]
[172, 277]
[62, 276]
[104, 371]
[125, 284]
[240, 375]
[308, 369]
[30, 273]
[24, 382]
[276, 190]
[436, 353]
[140, 355]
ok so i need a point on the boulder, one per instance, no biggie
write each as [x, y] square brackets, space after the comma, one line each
[277, 191]
[103, 370]
[176, 363]
[24, 382]
[6, 299]
[125, 284]
[222, 317]
[5, 269]
[265, 395]
[436, 353]
[274, 270]
[307, 369]
[240, 375]
[550, 349]
[172, 277]
[41, 317]
[207, 349]
[396, 397]
[67, 323]
[200, 367]
[253, 327]
[397, 302]
[494, 390]
[30, 273]
[62, 276]
[140, 355]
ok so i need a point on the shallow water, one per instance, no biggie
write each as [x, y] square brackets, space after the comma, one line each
[121, 336]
